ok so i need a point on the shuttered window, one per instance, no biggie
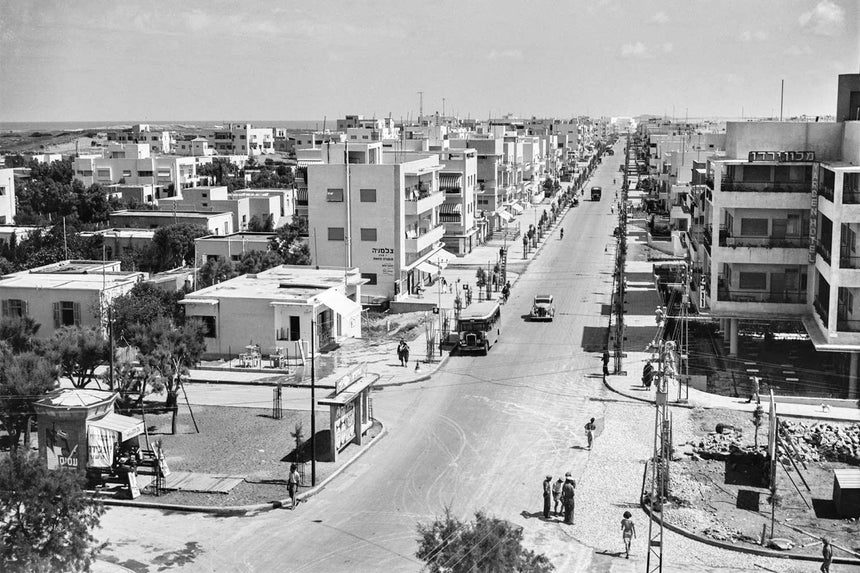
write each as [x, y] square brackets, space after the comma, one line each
[67, 313]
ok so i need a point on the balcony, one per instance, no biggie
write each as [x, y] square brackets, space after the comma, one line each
[849, 261]
[844, 324]
[424, 239]
[850, 197]
[764, 242]
[760, 296]
[421, 201]
[729, 185]
[823, 250]
[821, 309]
[826, 192]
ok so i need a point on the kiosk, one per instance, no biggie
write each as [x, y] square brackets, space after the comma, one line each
[349, 409]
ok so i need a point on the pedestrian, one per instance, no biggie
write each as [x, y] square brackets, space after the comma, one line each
[547, 496]
[605, 363]
[755, 392]
[647, 375]
[589, 432]
[556, 495]
[293, 485]
[628, 532]
[403, 353]
[826, 554]
[568, 492]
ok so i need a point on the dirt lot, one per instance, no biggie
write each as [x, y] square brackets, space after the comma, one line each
[719, 499]
[244, 442]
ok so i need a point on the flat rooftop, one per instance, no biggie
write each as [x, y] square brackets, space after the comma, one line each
[239, 235]
[70, 278]
[283, 283]
[170, 214]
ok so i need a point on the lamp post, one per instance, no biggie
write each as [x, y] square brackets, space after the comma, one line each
[313, 400]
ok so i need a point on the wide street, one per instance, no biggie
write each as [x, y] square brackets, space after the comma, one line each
[480, 435]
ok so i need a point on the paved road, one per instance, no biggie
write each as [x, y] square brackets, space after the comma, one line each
[480, 435]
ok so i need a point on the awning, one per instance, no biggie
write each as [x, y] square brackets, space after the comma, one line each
[505, 216]
[517, 208]
[450, 181]
[427, 267]
[126, 426]
[441, 258]
[338, 303]
[450, 209]
[302, 195]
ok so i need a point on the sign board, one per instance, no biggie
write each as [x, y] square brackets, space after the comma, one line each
[133, 488]
[162, 462]
[61, 444]
[781, 156]
[813, 217]
[354, 374]
[101, 444]
[344, 425]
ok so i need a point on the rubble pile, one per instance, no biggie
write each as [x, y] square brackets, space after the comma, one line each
[825, 441]
[718, 446]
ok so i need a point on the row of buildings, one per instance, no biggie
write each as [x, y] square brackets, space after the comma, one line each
[768, 214]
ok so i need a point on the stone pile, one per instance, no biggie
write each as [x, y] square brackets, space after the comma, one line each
[825, 441]
[717, 446]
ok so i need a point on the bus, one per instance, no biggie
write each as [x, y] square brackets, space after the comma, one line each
[479, 326]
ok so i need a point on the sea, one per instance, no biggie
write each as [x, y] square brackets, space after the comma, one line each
[28, 126]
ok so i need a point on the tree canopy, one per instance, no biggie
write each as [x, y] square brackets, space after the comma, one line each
[79, 351]
[291, 244]
[142, 305]
[47, 518]
[486, 545]
[24, 379]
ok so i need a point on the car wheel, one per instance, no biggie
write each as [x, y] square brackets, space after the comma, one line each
[486, 348]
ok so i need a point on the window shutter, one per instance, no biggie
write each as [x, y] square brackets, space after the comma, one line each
[5, 308]
[25, 307]
[77, 308]
[56, 315]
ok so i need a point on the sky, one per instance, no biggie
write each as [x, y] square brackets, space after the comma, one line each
[288, 60]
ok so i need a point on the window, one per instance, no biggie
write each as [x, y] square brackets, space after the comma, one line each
[14, 307]
[368, 234]
[104, 173]
[367, 195]
[334, 196]
[754, 227]
[753, 281]
[2, 191]
[208, 322]
[371, 278]
[235, 258]
[335, 234]
[144, 173]
[67, 313]
[126, 172]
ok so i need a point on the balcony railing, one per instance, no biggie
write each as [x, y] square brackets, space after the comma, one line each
[761, 296]
[847, 325]
[765, 242]
[849, 261]
[826, 192]
[765, 186]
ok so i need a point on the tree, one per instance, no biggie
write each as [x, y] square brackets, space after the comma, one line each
[170, 351]
[486, 545]
[254, 262]
[173, 246]
[48, 518]
[18, 332]
[24, 379]
[142, 305]
[215, 271]
[289, 242]
[79, 351]
[258, 225]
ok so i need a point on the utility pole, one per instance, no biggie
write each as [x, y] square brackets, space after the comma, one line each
[660, 458]
[781, 97]
[420, 106]
[443, 107]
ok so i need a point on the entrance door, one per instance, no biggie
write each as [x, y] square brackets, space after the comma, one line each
[295, 328]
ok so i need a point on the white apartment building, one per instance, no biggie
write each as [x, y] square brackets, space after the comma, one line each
[243, 204]
[243, 139]
[119, 242]
[158, 141]
[458, 180]
[196, 147]
[492, 192]
[378, 212]
[68, 293]
[8, 205]
[215, 223]
[230, 247]
[133, 164]
[781, 216]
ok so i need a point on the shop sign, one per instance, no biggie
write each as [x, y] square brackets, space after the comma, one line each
[382, 254]
[344, 425]
[354, 374]
[781, 156]
[813, 217]
[62, 447]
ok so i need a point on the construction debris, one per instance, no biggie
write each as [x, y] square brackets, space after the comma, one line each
[820, 440]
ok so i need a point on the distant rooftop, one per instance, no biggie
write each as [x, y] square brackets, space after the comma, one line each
[169, 214]
[285, 283]
[73, 275]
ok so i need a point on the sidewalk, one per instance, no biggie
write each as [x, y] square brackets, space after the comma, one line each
[640, 329]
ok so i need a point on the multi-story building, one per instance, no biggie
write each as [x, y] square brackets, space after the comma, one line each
[379, 212]
[194, 146]
[157, 141]
[68, 293]
[492, 192]
[243, 204]
[122, 242]
[243, 139]
[7, 196]
[133, 164]
[458, 181]
[782, 218]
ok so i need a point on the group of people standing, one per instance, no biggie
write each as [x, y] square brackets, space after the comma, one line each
[561, 493]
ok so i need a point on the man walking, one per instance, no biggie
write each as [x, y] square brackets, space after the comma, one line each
[605, 363]
[567, 497]
[403, 353]
[826, 554]
[589, 432]
[547, 496]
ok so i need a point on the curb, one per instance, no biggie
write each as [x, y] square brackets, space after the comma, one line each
[693, 406]
[252, 508]
[421, 378]
[741, 549]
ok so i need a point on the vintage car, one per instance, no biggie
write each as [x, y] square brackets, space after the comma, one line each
[543, 308]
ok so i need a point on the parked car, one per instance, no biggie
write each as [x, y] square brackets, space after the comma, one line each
[543, 307]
